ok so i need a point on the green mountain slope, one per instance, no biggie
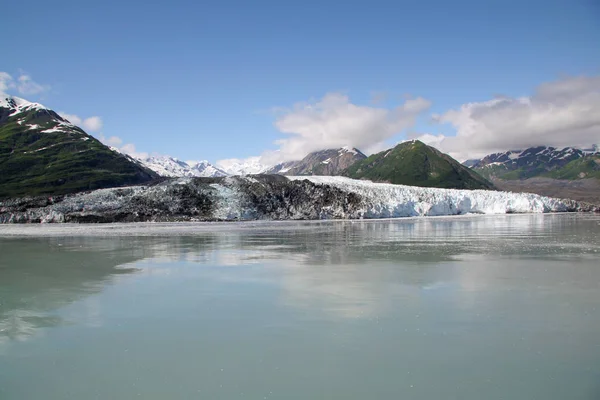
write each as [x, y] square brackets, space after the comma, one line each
[43, 154]
[541, 161]
[585, 167]
[416, 164]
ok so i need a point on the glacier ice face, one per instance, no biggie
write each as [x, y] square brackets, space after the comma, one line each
[384, 200]
[272, 197]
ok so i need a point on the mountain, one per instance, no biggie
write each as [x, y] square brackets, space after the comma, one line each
[548, 171]
[171, 167]
[416, 164]
[324, 162]
[206, 169]
[42, 153]
[249, 166]
[281, 168]
[566, 163]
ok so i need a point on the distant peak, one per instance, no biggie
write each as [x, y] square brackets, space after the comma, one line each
[18, 102]
[350, 149]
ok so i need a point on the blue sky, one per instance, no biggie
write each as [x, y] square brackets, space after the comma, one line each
[201, 80]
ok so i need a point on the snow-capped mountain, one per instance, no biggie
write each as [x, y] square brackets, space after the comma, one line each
[43, 153]
[18, 105]
[322, 162]
[204, 168]
[248, 166]
[171, 167]
[550, 156]
[531, 162]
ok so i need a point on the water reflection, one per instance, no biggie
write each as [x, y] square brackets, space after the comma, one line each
[429, 308]
[40, 275]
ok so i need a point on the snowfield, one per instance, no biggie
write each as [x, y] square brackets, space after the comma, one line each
[273, 197]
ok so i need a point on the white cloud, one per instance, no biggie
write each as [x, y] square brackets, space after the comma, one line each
[117, 143]
[5, 83]
[91, 124]
[22, 85]
[72, 118]
[27, 86]
[560, 113]
[334, 121]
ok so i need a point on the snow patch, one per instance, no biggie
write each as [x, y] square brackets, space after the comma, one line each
[52, 130]
[19, 105]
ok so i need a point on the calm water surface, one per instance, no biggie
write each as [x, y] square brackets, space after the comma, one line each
[501, 307]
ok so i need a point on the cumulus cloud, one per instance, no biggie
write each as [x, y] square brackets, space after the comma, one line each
[334, 121]
[5, 82]
[91, 124]
[27, 86]
[22, 85]
[560, 113]
[117, 143]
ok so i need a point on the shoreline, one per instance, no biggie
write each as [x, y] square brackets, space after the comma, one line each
[37, 230]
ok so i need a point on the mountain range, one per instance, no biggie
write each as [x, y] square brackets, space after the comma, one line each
[567, 172]
[171, 167]
[42, 153]
[565, 163]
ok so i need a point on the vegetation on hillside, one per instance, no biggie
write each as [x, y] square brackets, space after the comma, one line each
[416, 164]
[41, 154]
[581, 168]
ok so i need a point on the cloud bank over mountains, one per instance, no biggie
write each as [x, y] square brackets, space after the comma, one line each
[334, 121]
[562, 113]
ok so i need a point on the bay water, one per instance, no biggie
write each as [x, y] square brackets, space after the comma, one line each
[474, 307]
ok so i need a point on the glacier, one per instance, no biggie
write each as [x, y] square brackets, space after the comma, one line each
[272, 197]
[386, 200]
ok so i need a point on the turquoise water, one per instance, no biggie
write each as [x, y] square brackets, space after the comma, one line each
[490, 307]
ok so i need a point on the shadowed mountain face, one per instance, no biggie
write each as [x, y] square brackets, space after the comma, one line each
[324, 162]
[416, 164]
[42, 153]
